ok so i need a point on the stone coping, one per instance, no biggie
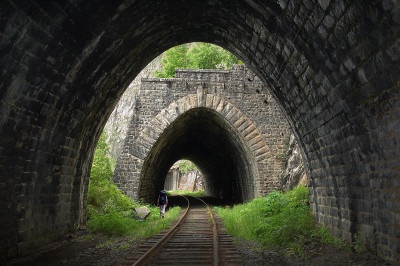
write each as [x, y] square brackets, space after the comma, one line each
[218, 71]
[189, 80]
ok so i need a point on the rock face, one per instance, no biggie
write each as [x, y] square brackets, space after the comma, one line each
[118, 122]
[191, 181]
[295, 172]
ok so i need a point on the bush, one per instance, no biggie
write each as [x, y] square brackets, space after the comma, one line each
[111, 223]
[119, 223]
[195, 56]
[278, 220]
[186, 166]
[103, 194]
[110, 211]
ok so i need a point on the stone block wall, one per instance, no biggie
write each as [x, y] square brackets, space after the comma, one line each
[239, 86]
[332, 65]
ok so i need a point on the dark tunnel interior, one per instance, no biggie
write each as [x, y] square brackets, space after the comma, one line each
[204, 137]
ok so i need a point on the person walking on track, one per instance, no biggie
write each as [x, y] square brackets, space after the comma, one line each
[162, 202]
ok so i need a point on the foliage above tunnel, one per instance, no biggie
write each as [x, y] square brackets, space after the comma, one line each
[185, 166]
[195, 56]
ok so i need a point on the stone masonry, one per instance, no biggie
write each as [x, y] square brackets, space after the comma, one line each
[333, 66]
[260, 124]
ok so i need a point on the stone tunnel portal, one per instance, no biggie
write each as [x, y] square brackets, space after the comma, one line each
[212, 143]
[333, 66]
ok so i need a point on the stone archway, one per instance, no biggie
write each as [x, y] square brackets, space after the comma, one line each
[235, 126]
[333, 66]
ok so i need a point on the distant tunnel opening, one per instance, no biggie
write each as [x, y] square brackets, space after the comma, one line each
[184, 176]
[204, 137]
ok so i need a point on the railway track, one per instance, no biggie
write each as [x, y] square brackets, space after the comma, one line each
[196, 239]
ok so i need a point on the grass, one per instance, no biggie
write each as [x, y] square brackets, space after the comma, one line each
[110, 211]
[197, 193]
[280, 221]
[119, 223]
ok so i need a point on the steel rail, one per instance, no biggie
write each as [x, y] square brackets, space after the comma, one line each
[145, 258]
[215, 233]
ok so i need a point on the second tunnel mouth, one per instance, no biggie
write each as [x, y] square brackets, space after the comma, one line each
[206, 138]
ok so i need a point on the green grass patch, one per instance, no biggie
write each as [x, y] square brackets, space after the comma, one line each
[281, 221]
[197, 193]
[120, 224]
[110, 211]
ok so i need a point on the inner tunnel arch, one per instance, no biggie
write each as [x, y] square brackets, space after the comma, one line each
[207, 130]
[206, 138]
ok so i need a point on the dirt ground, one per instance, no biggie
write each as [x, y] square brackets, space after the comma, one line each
[317, 254]
[83, 248]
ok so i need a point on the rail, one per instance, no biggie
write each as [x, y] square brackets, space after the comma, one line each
[197, 238]
[145, 258]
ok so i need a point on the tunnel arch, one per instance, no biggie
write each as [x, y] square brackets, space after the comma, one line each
[236, 127]
[206, 138]
[212, 88]
[333, 65]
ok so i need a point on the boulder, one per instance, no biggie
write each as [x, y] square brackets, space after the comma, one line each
[142, 212]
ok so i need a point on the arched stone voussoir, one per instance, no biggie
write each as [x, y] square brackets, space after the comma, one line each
[242, 128]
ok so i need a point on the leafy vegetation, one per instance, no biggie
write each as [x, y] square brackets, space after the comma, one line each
[186, 166]
[197, 193]
[195, 56]
[110, 211]
[117, 223]
[279, 221]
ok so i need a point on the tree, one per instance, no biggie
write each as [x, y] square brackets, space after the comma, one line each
[173, 58]
[195, 56]
[185, 166]
[103, 194]
[102, 165]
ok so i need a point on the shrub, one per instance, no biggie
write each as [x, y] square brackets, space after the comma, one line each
[111, 223]
[278, 220]
[118, 223]
[110, 211]
[185, 166]
[103, 194]
[195, 56]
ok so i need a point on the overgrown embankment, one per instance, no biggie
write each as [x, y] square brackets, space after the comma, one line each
[279, 221]
[111, 211]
